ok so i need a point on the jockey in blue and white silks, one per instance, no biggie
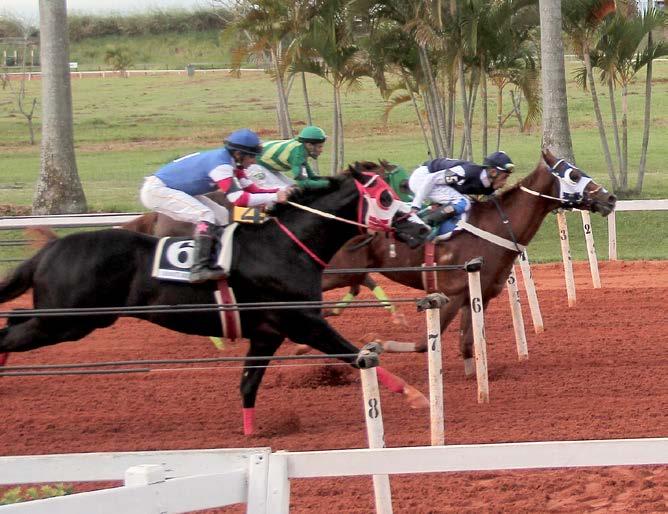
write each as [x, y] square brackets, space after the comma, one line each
[446, 182]
[178, 188]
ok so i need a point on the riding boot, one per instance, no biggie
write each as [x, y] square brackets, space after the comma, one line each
[202, 268]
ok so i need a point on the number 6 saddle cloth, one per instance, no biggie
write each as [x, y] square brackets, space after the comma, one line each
[172, 261]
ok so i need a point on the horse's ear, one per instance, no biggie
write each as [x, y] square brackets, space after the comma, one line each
[384, 163]
[548, 157]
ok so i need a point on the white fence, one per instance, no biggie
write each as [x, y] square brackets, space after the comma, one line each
[182, 481]
[629, 205]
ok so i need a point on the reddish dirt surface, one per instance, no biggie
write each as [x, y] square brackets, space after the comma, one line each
[597, 372]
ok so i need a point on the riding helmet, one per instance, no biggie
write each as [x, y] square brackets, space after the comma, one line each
[312, 134]
[500, 161]
[244, 140]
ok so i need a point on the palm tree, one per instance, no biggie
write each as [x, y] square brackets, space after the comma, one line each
[621, 52]
[58, 189]
[336, 58]
[582, 23]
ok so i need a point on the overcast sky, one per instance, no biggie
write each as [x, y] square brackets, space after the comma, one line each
[28, 10]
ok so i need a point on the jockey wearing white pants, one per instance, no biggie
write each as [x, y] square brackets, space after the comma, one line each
[446, 182]
[178, 190]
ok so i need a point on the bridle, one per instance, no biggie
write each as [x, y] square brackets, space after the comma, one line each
[364, 199]
[564, 178]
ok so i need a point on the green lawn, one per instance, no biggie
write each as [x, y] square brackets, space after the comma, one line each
[127, 128]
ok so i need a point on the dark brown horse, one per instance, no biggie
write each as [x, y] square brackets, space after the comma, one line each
[553, 184]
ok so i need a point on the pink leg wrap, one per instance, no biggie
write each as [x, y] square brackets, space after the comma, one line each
[3, 358]
[249, 420]
[391, 381]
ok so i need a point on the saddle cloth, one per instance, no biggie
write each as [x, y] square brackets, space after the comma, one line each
[174, 256]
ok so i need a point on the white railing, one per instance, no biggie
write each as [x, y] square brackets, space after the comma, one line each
[181, 481]
[629, 205]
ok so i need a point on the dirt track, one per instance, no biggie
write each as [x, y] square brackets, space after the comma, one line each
[598, 372]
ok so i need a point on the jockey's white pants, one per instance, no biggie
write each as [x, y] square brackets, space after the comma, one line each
[268, 179]
[156, 196]
[439, 193]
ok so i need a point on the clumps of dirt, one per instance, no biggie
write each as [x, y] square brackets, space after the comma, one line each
[15, 210]
[321, 376]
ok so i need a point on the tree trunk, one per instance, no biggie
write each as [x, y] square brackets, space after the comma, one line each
[465, 109]
[335, 138]
[431, 117]
[599, 120]
[284, 125]
[483, 92]
[646, 120]
[58, 189]
[625, 138]
[433, 91]
[556, 131]
[309, 119]
[499, 114]
[339, 109]
[615, 127]
[417, 112]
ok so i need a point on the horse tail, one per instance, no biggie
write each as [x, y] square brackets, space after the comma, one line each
[21, 279]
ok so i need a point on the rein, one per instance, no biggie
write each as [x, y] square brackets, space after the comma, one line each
[301, 245]
[326, 214]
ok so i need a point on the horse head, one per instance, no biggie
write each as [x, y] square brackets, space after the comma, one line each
[382, 208]
[577, 189]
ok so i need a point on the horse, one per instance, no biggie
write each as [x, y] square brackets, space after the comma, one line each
[279, 260]
[161, 225]
[518, 212]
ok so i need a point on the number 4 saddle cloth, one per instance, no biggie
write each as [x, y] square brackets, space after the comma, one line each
[173, 259]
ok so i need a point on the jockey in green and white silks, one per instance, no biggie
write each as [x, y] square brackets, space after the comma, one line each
[290, 157]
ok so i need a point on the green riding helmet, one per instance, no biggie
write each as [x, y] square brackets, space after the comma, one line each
[312, 134]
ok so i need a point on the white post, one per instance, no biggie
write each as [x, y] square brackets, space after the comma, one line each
[278, 484]
[532, 297]
[478, 321]
[145, 474]
[375, 434]
[432, 305]
[566, 257]
[612, 237]
[591, 249]
[518, 320]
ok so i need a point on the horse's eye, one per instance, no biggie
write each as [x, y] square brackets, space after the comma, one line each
[573, 175]
[386, 199]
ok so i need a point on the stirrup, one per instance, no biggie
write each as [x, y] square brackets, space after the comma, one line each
[204, 274]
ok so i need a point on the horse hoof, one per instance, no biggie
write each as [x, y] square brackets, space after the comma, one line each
[302, 349]
[398, 318]
[469, 367]
[415, 399]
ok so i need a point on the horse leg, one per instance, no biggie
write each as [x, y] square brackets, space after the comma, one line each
[33, 333]
[352, 293]
[264, 345]
[398, 318]
[308, 327]
[466, 340]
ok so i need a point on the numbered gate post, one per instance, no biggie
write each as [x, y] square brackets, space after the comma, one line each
[477, 319]
[532, 296]
[518, 320]
[373, 416]
[432, 305]
[591, 249]
[566, 257]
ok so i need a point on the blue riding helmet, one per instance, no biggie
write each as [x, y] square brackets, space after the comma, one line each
[244, 140]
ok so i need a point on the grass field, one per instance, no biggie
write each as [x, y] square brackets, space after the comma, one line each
[127, 128]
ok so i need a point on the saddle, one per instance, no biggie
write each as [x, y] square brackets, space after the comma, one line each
[172, 261]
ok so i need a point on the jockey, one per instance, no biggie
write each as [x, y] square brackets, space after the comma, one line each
[178, 190]
[291, 155]
[446, 182]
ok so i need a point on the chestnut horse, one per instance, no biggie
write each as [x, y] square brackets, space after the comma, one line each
[553, 184]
